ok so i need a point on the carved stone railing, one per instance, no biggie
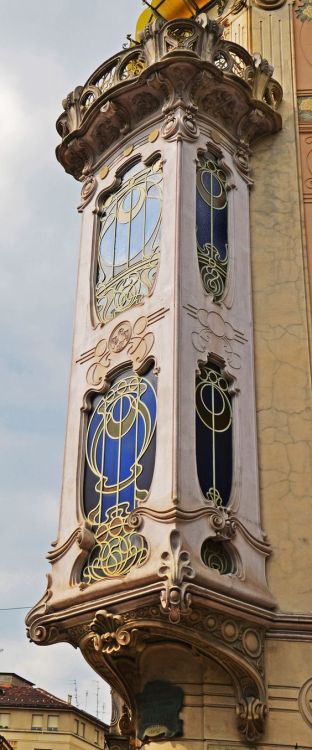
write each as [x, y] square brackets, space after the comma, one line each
[138, 81]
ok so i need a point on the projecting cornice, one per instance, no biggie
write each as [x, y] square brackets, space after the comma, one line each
[182, 71]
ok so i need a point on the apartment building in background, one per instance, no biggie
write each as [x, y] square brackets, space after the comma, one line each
[33, 719]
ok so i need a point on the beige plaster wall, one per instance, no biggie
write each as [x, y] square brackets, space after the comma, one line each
[283, 385]
[208, 714]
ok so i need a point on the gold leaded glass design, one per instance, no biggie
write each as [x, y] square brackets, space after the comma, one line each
[129, 240]
[120, 453]
[214, 420]
[212, 227]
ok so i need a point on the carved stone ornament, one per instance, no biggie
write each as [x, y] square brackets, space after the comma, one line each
[180, 123]
[175, 568]
[87, 191]
[217, 336]
[305, 702]
[269, 4]
[251, 714]
[136, 338]
[183, 72]
[109, 634]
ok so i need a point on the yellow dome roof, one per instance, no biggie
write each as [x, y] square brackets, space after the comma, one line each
[169, 9]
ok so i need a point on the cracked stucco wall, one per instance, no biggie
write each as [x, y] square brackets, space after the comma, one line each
[283, 377]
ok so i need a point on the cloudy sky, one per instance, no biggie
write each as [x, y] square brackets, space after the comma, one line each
[46, 49]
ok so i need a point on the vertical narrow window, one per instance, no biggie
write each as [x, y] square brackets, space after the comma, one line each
[212, 226]
[120, 454]
[129, 240]
[214, 434]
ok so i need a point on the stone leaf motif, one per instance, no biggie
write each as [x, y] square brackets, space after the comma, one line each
[216, 330]
[109, 633]
[175, 568]
[138, 340]
[251, 713]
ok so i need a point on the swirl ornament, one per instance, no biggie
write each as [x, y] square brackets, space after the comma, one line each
[129, 240]
[214, 434]
[120, 451]
[212, 227]
[215, 555]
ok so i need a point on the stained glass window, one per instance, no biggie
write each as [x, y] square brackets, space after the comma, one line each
[214, 434]
[120, 453]
[212, 226]
[129, 240]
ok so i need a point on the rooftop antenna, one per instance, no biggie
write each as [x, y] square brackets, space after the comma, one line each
[74, 683]
[86, 701]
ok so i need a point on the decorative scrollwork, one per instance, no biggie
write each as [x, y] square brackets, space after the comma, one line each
[212, 226]
[175, 568]
[129, 240]
[251, 713]
[216, 555]
[213, 434]
[109, 633]
[118, 547]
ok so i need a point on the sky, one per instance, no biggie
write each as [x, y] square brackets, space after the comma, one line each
[46, 49]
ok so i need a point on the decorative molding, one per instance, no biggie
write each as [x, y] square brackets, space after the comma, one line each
[305, 701]
[216, 336]
[236, 645]
[175, 568]
[180, 123]
[213, 78]
[109, 634]
[269, 4]
[134, 337]
[87, 191]
[251, 714]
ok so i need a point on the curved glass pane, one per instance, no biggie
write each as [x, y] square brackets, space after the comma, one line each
[212, 227]
[129, 239]
[214, 434]
[120, 454]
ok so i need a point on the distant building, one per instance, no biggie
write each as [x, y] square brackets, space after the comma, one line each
[32, 719]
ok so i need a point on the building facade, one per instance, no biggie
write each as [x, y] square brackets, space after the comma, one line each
[32, 719]
[181, 569]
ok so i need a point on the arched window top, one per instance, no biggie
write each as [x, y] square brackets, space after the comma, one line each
[129, 240]
[212, 224]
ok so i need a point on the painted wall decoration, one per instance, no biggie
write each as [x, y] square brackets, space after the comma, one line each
[214, 434]
[212, 226]
[119, 463]
[129, 241]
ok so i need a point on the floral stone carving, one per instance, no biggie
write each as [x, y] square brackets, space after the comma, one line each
[176, 567]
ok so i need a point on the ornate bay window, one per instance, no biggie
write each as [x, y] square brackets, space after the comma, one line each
[163, 536]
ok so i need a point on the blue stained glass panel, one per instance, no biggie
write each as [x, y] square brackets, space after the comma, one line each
[122, 429]
[212, 226]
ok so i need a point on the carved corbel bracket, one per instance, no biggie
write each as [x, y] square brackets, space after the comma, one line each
[180, 124]
[175, 568]
[115, 640]
[109, 634]
[251, 714]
